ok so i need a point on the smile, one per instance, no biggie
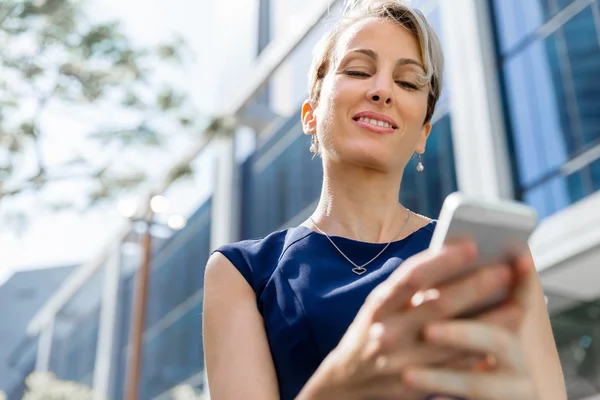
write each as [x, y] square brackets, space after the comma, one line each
[375, 122]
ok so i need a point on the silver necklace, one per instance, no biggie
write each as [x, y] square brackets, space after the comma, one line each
[360, 269]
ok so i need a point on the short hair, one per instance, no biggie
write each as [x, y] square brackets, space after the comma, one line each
[391, 10]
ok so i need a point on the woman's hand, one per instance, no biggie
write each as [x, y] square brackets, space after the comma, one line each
[507, 376]
[385, 336]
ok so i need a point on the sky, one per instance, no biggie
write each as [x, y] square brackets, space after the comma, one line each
[71, 238]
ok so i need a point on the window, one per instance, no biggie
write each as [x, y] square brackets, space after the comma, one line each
[280, 180]
[424, 192]
[553, 98]
[174, 355]
[578, 340]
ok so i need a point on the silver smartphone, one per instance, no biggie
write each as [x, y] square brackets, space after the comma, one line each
[500, 229]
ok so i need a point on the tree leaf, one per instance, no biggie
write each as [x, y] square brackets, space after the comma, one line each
[179, 172]
[168, 99]
[74, 62]
[185, 121]
[221, 126]
[27, 129]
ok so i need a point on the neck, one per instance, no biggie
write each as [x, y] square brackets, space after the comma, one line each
[361, 204]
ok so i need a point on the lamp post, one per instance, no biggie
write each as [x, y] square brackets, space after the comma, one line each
[138, 315]
[156, 205]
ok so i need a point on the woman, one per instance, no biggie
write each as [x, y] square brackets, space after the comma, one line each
[335, 308]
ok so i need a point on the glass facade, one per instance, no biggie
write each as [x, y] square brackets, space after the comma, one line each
[73, 354]
[279, 180]
[18, 391]
[172, 344]
[424, 192]
[173, 354]
[577, 335]
[22, 360]
[75, 335]
[550, 58]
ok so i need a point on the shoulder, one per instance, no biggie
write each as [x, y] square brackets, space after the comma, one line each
[422, 226]
[422, 235]
[430, 226]
[256, 259]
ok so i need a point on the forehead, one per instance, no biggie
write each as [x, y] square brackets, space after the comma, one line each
[386, 37]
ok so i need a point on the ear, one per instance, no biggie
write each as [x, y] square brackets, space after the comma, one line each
[309, 119]
[421, 144]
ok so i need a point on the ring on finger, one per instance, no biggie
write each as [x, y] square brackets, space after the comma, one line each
[491, 362]
[488, 363]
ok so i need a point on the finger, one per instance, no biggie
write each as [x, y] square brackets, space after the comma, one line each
[470, 385]
[423, 271]
[391, 364]
[388, 339]
[508, 316]
[464, 295]
[438, 397]
[478, 337]
[391, 388]
[443, 398]
[464, 361]
[524, 292]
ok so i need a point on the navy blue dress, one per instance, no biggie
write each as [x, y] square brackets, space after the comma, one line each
[307, 293]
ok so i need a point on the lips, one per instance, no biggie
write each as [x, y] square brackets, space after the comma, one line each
[375, 122]
[375, 119]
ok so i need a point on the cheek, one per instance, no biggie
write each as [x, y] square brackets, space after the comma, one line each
[413, 107]
[328, 104]
[339, 97]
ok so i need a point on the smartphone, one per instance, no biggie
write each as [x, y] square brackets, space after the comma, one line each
[500, 228]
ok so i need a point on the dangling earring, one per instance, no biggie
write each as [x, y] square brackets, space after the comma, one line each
[420, 166]
[314, 146]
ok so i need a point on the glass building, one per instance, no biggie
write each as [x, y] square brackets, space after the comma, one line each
[519, 118]
[549, 60]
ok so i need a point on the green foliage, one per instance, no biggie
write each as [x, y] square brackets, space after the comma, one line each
[53, 55]
[45, 386]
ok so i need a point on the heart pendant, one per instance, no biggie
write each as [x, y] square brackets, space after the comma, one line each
[359, 270]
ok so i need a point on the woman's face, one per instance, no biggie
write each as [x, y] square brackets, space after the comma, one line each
[371, 110]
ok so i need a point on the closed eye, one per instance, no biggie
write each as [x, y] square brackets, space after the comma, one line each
[407, 85]
[357, 73]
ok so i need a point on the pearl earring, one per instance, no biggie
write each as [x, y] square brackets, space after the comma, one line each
[420, 166]
[314, 146]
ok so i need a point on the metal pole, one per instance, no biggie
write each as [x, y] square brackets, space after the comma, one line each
[138, 316]
[105, 350]
[42, 362]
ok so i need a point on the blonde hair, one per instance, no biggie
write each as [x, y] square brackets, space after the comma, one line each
[392, 10]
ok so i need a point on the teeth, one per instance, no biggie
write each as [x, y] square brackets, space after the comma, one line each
[375, 122]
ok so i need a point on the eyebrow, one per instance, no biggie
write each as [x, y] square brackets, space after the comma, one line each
[400, 63]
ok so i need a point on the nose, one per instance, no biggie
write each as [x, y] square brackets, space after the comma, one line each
[380, 95]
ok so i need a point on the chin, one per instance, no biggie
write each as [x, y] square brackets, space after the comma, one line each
[372, 157]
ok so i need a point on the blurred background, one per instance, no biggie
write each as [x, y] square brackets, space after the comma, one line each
[136, 136]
